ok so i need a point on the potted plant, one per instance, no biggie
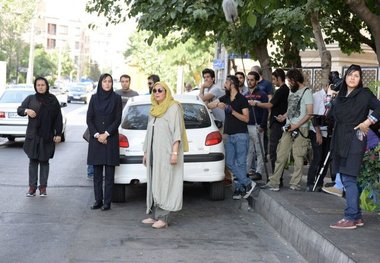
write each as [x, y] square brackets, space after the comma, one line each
[369, 180]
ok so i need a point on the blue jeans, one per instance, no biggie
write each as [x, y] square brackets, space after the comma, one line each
[338, 182]
[90, 170]
[352, 211]
[236, 146]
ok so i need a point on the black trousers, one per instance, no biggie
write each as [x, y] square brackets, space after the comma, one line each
[33, 172]
[275, 136]
[319, 155]
[108, 183]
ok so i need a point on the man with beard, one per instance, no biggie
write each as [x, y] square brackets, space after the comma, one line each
[235, 132]
[258, 118]
[242, 87]
[294, 137]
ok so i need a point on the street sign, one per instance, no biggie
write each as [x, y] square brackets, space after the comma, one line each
[218, 64]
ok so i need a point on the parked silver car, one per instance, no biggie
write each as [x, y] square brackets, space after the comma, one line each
[11, 124]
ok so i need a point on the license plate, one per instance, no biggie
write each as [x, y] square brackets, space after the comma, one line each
[77, 97]
[13, 115]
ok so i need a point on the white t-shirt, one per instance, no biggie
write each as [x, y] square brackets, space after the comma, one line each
[296, 111]
[319, 108]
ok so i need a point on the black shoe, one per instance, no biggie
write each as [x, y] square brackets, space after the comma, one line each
[106, 207]
[281, 184]
[256, 177]
[97, 205]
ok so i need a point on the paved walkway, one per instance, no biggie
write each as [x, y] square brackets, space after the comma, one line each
[303, 219]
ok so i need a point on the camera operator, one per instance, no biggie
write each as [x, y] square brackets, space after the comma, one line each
[294, 137]
[350, 111]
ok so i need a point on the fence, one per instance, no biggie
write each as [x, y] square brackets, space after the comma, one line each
[313, 77]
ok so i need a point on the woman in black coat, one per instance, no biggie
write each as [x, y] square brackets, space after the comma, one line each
[103, 120]
[350, 110]
[43, 131]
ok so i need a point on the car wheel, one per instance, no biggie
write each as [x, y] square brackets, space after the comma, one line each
[118, 193]
[11, 138]
[217, 191]
[63, 138]
[69, 101]
[85, 101]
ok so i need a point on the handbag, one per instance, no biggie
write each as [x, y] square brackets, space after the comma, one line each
[86, 135]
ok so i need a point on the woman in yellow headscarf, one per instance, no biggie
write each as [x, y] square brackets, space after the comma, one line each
[165, 142]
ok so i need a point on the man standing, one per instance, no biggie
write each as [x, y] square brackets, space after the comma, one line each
[242, 87]
[263, 84]
[210, 92]
[300, 109]
[267, 87]
[125, 92]
[237, 116]
[278, 106]
[320, 142]
[152, 79]
[258, 118]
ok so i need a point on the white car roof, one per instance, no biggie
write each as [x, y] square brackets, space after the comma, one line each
[183, 98]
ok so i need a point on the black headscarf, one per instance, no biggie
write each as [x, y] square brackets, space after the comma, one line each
[103, 98]
[47, 113]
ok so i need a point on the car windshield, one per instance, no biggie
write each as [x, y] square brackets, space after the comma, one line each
[196, 116]
[78, 89]
[15, 96]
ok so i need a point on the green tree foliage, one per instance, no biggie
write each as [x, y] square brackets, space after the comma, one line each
[15, 17]
[162, 57]
[43, 64]
[94, 71]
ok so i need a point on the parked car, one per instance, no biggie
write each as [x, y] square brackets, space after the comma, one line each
[77, 93]
[11, 124]
[60, 93]
[203, 163]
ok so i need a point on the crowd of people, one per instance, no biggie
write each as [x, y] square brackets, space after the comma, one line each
[257, 120]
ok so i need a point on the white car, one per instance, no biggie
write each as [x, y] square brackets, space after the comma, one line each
[203, 163]
[11, 124]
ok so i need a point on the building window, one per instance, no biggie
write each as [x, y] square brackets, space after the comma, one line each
[52, 29]
[63, 30]
[51, 43]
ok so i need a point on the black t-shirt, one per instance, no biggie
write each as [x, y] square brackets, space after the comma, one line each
[279, 102]
[232, 125]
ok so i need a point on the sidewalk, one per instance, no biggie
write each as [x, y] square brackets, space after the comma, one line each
[303, 219]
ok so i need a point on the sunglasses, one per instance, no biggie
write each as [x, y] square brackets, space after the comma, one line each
[150, 83]
[158, 90]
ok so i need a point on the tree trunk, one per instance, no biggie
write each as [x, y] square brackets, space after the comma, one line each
[323, 52]
[372, 20]
[261, 52]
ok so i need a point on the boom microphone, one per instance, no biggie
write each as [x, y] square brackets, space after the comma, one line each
[230, 10]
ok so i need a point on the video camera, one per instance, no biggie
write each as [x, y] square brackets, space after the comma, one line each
[335, 81]
[294, 133]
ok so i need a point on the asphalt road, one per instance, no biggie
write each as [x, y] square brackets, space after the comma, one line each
[62, 228]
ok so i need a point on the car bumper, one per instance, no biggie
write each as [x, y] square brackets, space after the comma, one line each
[197, 168]
[12, 130]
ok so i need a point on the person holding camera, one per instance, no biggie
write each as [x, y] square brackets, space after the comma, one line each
[295, 131]
[351, 112]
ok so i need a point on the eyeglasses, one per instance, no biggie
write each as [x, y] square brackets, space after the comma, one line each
[158, 90]
[150, 83]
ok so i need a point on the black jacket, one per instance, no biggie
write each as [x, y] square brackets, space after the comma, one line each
[98, 122]
[347, 150]
[35, 146]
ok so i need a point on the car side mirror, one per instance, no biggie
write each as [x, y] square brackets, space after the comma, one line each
[219, 124]
[63, 104]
